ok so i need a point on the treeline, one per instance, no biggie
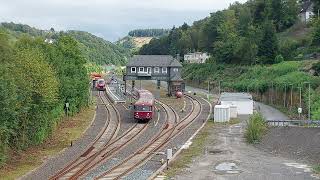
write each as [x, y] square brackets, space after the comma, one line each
[36, 80]
[242, 34]
[148, 32]
[95, 49]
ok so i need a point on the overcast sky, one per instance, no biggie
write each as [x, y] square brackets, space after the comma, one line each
[109, 19]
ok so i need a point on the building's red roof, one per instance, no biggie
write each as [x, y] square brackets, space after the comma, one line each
[145, 98]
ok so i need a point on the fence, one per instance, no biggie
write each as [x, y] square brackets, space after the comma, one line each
[302, 123]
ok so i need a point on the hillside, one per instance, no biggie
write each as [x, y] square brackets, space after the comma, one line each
[262, 80]
[133, 43]
[99, 50]
[140, 37]
[95, 49]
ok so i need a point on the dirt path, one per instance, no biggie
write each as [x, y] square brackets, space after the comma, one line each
[228, 156]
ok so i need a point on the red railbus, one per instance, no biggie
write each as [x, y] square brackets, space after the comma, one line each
[144, 106]
[101, 85]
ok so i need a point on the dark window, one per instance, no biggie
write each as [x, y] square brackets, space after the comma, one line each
[142, 108]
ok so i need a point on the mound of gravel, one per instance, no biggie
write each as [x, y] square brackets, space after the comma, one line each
[302, 144]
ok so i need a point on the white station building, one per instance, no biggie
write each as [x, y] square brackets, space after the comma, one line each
[242, 101]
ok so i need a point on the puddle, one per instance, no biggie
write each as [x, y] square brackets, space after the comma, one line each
[215, 151]
[227, 168]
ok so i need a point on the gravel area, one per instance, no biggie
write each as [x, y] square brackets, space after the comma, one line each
[299, 143]
[130, 148]
[229, 157]
[54, 164]
[176, 143]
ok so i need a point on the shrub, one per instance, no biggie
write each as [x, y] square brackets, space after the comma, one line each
[279, 59]
[256, 127]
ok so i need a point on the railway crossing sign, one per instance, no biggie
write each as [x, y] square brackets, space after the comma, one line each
[299, 110]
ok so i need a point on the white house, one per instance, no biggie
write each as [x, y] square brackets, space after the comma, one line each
[306, 11]
[243, 102]
[197, 57]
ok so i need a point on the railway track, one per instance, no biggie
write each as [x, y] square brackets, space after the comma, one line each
[171, 130]
[105, 137]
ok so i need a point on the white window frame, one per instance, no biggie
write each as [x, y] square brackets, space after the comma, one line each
[134, 71]
[142, 70]
[164, 70]
[175, 70]
[156, 70]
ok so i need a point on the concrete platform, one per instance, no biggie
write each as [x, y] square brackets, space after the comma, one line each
[114, 95]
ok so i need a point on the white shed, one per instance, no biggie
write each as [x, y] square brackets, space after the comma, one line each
[243, 101]
[221, 113]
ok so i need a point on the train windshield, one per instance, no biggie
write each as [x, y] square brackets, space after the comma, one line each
[101, 81]
[142, 108]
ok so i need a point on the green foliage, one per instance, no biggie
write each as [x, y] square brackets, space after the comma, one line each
[256, 128]
[316, 67]
[148, 32]
[316, 35]
[36, 79]
[268, 47]
[93, 48]
[279, 59]
[98, 50]
[241, 34]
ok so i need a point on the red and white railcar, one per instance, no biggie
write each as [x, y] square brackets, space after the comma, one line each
[144, 106]
[101, 85]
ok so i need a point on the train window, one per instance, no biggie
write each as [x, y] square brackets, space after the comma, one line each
[133, 69]
[142, 108]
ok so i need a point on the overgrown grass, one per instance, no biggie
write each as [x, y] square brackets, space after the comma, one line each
[186, 156]
[316, 169]
[69, 130]
[256, 127]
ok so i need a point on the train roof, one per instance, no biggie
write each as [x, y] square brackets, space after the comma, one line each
[145, 98]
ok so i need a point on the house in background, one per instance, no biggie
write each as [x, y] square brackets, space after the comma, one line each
[306, 11]
[156, 67]
[197, 57]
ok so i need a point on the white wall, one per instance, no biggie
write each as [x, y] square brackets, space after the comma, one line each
[243, 107]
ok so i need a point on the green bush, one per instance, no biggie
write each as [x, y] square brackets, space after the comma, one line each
[256, 127]
[279, 59]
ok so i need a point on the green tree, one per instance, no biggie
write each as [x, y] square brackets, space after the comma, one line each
[268, 47]
[316, 35]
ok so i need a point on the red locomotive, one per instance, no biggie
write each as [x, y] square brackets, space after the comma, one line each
[144, 106]
[101, 85]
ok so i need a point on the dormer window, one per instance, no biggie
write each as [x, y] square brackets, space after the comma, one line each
[156, 70]
[175, 70]
[164, 70]
[133, 70]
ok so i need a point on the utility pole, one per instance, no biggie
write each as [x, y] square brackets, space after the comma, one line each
[208, 87]
[271, 92]
[309, 100]
[219, 87]
[285, 95]
[291, 96]
[300, 101]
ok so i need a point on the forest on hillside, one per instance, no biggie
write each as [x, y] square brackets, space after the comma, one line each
[36, 80]
[148, 32]
[242, 34]
[95, 49]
